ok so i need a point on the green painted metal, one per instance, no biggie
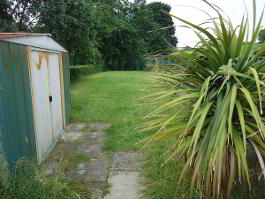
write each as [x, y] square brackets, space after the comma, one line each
[17, 137]
[16, 116]
[67, 94]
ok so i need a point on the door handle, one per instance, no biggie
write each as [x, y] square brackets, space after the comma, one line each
[50, 98]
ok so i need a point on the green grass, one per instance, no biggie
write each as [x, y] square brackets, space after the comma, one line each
[111, 97]
[28, 181]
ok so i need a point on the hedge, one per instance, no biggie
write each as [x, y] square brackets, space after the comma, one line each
[77, 71]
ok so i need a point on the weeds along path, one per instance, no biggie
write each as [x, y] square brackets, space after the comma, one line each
[79, 158]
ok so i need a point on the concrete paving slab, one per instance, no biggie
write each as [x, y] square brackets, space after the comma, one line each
[93, 151]
[77, 126]
[71, 136]
[92, 171]
[95, 137]
[130, 161]
[99, 125]
[121, 170]
[125, 185]
[125, 179]
[85, 138]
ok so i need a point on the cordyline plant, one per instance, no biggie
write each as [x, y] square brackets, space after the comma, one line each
[213, 105]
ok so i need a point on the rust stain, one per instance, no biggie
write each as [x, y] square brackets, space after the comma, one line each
[38, 66]
[28, 51]
[29, 56]
[42, 57]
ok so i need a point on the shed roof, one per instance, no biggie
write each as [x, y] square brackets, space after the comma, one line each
[37, 40]
[19, 34]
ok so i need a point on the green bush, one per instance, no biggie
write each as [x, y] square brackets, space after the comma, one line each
[27, 182]
[77, 71]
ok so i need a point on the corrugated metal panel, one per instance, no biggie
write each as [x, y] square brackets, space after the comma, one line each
[44, 42]
[16, 119]
[67, 94]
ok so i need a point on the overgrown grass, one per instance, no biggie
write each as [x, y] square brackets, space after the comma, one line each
[112, 97]
[161, 180]
[27, 181]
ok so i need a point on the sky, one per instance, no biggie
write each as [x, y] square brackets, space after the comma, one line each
[233, 8]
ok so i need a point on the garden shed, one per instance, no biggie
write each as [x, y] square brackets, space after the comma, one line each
[34, 94]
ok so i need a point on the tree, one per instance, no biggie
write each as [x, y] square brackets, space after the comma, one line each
[166, 37]
[73, 23]
[6, 21]
[124, 45]
[19, 15]
[119, 30]
[261, 36]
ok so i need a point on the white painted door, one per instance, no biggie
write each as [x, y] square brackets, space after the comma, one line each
[47, 104]
[41, 105]
[55, 93]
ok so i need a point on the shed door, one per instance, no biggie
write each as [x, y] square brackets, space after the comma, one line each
[46, 92]
[55, 93]
[41, 105]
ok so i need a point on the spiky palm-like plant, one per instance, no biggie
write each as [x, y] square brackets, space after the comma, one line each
[213, 105]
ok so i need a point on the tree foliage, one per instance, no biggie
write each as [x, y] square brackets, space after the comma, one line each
[116, 32]
[166, 39]
[126, 43]
[19, 15]
[73, 23]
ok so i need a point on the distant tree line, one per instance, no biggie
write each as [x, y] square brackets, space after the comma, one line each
[116, 32]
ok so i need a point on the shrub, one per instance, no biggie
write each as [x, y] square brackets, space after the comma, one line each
[213, 105]
[77, 71]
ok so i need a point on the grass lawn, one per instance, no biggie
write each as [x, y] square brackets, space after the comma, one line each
[112, 97]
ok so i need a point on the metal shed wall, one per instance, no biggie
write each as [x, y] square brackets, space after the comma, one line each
[67, 94]
[16, 120]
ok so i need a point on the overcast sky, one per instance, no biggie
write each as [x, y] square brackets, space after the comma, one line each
[233, 8]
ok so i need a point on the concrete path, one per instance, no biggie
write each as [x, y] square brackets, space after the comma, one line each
[125, 176]
[79, 154]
